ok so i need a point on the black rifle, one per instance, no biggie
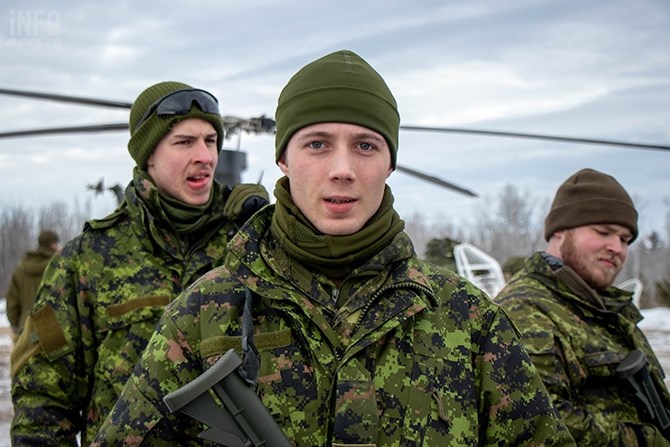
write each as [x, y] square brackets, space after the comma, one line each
[634, 369]
[239, 418]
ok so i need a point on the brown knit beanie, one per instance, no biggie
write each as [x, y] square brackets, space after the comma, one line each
[47, 237]
[145, 136]
[339, 87]
[590, 197]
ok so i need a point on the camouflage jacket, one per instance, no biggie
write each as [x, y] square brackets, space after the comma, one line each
[415, 357]
[25, 281]
[577, 345]
[95, 312]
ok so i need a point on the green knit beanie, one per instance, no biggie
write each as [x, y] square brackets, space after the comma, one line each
[145, 136]
[590, 197]
[340, 87]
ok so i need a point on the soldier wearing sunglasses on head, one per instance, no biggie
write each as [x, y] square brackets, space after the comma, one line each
[101, 298]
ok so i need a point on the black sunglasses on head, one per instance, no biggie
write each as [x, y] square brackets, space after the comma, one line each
[180, 103]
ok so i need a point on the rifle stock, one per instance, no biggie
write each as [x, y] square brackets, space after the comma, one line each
[634, 369]
[236, 417]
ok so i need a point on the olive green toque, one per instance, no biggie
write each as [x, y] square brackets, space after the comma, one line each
[340, 87]
[145, 136]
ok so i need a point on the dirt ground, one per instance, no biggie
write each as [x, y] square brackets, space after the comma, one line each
[658, 335]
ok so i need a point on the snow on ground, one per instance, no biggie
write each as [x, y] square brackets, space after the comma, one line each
[656, 319]
[656, 326]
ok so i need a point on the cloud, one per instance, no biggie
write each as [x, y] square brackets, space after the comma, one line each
[566, 67]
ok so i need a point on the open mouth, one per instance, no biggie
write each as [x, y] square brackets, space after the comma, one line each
[198, 177]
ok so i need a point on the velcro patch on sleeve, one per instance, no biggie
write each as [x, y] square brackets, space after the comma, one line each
[49, 332]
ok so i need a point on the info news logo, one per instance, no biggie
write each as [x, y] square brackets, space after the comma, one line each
[34, 27]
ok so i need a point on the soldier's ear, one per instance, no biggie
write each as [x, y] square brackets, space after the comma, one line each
[282, 164]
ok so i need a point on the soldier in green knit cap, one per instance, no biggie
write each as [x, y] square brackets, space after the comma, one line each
[103, 295]
[359, 342]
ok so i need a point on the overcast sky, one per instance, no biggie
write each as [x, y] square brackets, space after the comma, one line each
[575, 68]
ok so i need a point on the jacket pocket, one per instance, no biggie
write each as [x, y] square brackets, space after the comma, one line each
[124, 333]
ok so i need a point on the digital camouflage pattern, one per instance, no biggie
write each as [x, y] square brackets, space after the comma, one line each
[99, 304]
[416, 357]
[576, 346]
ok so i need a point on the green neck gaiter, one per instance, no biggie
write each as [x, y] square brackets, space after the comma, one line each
[334, 256]
[186, 219]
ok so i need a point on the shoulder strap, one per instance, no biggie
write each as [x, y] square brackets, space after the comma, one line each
[251, 361]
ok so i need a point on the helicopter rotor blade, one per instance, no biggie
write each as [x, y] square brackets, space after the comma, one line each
[231, 124]
[435, 180]
[67, 98]
[262, 124]
[65, 130]
[495, 133]
[266, 125]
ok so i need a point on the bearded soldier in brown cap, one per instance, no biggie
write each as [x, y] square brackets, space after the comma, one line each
[101, 298]
[580, 331]
[360, 343]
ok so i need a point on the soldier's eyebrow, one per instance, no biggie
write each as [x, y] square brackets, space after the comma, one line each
[617, 229]
[190, 135]
[368, 136]
[313, 134]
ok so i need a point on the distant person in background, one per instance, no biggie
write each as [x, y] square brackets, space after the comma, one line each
[26, 279]
[101, 298]
[580, 331]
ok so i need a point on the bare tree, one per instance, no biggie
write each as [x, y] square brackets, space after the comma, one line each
[19, 227]
[649, 261]
[17, 234]
[512, 226]
[66, 222]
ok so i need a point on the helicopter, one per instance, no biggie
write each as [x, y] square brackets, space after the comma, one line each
[233, 162]
[471, 262]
